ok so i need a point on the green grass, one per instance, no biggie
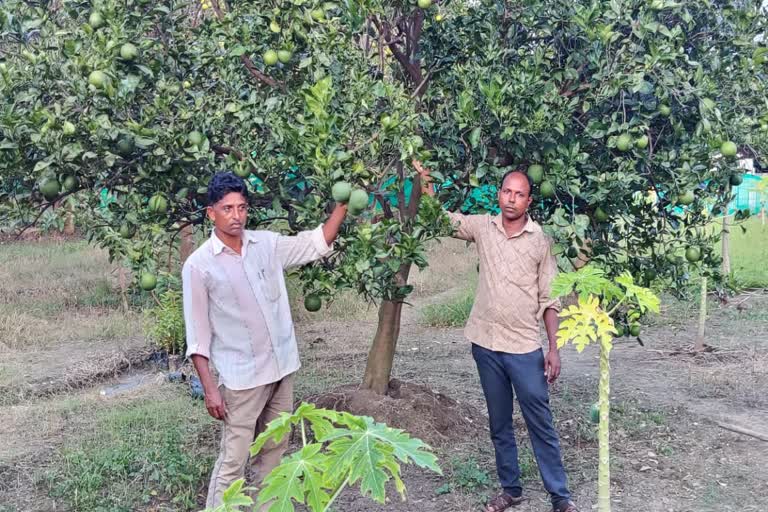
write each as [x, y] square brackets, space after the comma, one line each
[453, 313]
[53, 292]
[137, 453]
[749, 254]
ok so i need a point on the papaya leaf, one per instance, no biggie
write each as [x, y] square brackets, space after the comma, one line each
[585, 323]
[589, 280]
[367, 448]
[299, 478]
[644, 297]
[276, 431]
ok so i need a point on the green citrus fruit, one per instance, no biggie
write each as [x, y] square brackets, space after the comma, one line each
[317, 14]
[341, 192]
[270, 57]
[284, 56]
[68, 128]
[624, 142]
[736, 180]
[69, 183]
[129, 52]
[274, 27]
[665, 110]
[50, 188]
[386, 121]
[97, 79]
[547, 189]
[96, 20]
[693, 254]
[728, 149]
[634, 329]
[425, 4]
[686, 198]
[358, 201]
[125, 146]
[127, 231]
[600, 215]
[620, 331]
[158, 204]
[536, 172]
[148, 281]
[641, 142]
[312, 303]
[195, 138]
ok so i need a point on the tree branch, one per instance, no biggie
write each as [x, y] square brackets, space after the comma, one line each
[258, 75]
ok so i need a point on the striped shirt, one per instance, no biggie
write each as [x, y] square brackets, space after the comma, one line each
[236, 309]
[513, 289]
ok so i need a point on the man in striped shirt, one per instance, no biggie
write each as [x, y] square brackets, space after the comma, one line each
[237, 315]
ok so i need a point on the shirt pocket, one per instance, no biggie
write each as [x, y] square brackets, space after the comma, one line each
[268, 275]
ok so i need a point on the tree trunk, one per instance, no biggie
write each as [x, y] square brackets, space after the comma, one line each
[762, 215]
[379, 367]
[69, 220]
[604, 450]
[187, 243]
[726, 248]
[699, 345]
[122, 280]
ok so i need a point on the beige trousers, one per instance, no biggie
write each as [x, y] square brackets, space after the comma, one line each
[248, 413]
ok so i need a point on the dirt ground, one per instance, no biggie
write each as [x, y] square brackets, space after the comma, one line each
[669, 453]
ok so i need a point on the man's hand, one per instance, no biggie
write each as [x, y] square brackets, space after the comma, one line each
[420, 168]
[552, 365]
[215, 404]
[213, 399]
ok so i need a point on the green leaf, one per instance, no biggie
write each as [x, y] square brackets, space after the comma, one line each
[298, 478]
[590, 280]
[42, 164]
[237, 51]
[276, 431]
[234, 497]
[321, 420]
[366, 449]
[643, 297]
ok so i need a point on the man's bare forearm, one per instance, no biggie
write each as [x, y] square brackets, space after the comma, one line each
[333, 224]
[552, 324]
[204, 372]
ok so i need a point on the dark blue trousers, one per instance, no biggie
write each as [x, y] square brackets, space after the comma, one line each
[503, 376]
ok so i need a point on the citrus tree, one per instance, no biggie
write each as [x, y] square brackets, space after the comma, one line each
[624, 113]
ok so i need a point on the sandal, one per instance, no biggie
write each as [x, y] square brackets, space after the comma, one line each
[502, 502]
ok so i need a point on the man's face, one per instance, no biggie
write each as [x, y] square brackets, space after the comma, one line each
[229, 214]
[514, 196]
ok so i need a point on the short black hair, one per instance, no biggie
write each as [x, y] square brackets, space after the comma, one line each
[222, 183]
[530, 180]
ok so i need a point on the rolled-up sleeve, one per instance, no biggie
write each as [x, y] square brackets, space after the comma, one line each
[196, 321]
[303, 248]
[465, 226]
[547, 273]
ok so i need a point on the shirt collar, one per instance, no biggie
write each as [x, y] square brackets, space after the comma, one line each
[530, 225]
[219, 246]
